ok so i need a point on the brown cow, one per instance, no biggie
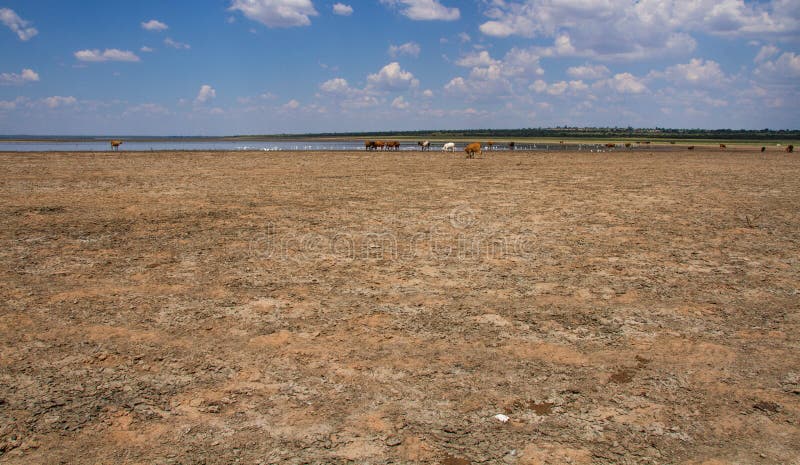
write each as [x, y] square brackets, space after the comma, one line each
[763, 148]
[472, 148]
[115, 144]
[511, 145]
[611, 146]
[380, 145]
[691, 147]
[489, 145]
[789, 148]
[393, 145]
[426, 145]
[723, 146]
[369, 145]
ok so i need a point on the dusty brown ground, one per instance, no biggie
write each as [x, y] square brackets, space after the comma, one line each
[344, 307]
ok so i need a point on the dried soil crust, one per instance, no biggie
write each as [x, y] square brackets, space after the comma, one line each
[374, 308]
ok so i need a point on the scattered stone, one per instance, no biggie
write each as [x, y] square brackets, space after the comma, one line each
[767, 407]
[393, 440]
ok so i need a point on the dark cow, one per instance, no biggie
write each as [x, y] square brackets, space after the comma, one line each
[691, 147]
[763, 148]
[369, 145]
[511, 145]
[789, 148]
[723, 146]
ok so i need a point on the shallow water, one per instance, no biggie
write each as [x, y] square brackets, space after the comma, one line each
[138, 146]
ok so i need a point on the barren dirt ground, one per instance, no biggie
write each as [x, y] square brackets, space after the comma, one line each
[618, 308]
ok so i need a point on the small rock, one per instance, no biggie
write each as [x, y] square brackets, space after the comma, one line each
[393, 440]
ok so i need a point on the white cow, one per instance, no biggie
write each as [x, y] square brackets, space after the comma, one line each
[449, 147]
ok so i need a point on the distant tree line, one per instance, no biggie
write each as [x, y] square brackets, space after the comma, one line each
[569, 132]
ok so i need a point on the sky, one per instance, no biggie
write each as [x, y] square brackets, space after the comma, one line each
[227, 67]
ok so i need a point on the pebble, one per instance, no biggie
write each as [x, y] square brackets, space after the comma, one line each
[393, 440]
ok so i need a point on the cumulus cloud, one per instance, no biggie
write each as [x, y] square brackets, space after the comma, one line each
[27, 75]
[400, 103]
[588, 71]
[291, 105]
[336, 86]
[205, 94]
[408, 48]
[696, 73]
[424, 10]
[342, 10]
[8, 105]
[623, 83]
[145, 49]
[154, 25]
[481, 58]
[490, 77]
[176, 45]
[18, 25]
[784, 69]
[59, 101]
[636, 29]
[392, 78]
[765, 53]
[109, 54]
[559, 88]
[276, 13]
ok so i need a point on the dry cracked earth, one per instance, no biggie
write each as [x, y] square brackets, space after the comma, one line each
[191, 307]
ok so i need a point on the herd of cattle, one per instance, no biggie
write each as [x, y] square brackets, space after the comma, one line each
[475, 147]
[470, 149]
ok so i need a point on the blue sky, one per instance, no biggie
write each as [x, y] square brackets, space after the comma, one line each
[217, 67]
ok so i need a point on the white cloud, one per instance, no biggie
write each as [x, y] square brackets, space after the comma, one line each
[109, 54]
[176, 45]
[427, 93]
[481, 58]
[408, 48]
[425, 10]
[336, 86]
[493, 78]
[696, 73]
[766, 52]
[559, 88]
[59, 101]
[205, 94]
[145, 49]
[291, 105]
[18, 25]
[27, 75]
[400, 103]
[392, 78]
[612, 22]
[277, 13]
[785, 69]
[8, 105]
[464, 37]
[588, 71]
[154, 25]
[623, 83]
[635, 29]
[342, 10]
